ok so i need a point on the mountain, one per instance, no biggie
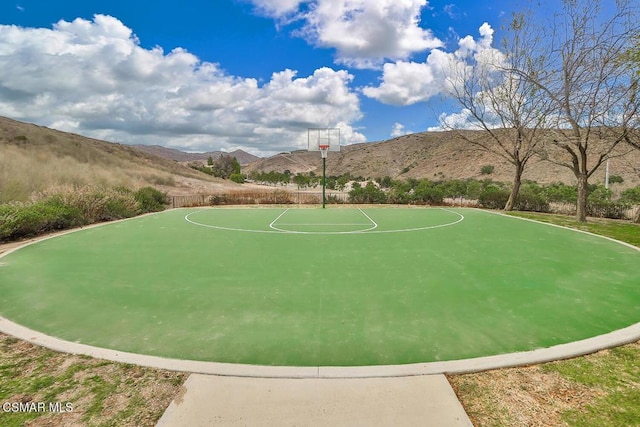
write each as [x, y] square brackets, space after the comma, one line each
[436, 156]
[243, 157]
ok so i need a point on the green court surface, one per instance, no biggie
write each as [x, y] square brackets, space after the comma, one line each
[322, 287]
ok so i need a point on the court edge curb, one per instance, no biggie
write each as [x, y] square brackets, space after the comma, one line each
[616, 338]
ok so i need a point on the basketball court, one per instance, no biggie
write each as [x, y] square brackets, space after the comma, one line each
[311, 287]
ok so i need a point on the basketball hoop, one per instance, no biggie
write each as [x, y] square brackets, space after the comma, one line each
[324, 149]
[324, 140]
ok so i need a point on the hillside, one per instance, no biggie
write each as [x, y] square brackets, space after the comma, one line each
[35, 158]
[437, 156]
[243, 157]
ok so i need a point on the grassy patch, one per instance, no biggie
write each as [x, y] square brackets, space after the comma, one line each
[616, 229]
[100, 393]
[615, 374]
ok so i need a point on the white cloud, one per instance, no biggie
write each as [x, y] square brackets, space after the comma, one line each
[278, 8]
[461, 120]
[364, 33]
[399, 130]
[94, 78]
[406, 83]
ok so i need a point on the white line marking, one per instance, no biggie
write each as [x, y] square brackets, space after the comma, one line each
[218, 227]
[375, 224]
[324, 225]
[371, 230]
[429, 227]
[279, 216]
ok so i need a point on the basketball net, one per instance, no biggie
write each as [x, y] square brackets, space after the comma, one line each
[324, 149]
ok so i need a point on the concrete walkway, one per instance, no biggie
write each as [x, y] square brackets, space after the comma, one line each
[208, 400]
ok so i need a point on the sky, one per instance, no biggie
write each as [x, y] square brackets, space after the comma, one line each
[206, 75]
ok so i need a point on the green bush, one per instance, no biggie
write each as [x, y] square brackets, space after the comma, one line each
[21, 220]
[561, 193]
[428, 192]
[616, 179]
[151, 200]
[367, 194]
[493, 197]
[532, 197]
[631, 196]
[62, 208]
[532, 202]
[599, 204]
[237, 178]
[99, 204]
[487, 169]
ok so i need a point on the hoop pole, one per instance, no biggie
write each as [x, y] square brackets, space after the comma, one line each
[324, 179]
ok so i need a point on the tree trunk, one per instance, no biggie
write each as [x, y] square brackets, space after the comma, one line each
[581, 207]
[515, 190]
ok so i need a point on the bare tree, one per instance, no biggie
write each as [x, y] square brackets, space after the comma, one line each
[578, 66]
[632, 59]
[508, 108]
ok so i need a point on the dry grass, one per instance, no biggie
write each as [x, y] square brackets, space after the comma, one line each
[519, 397]
[602, 389]
[34, 159]
[98, 393]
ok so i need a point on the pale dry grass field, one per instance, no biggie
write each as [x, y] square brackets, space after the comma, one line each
[35, 159]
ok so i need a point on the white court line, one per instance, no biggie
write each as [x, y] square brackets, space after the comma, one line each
[375, 224]
[429, 227]
[219, 227]
[279, 216]
[285, 230]
[275, 230]
[324, 225]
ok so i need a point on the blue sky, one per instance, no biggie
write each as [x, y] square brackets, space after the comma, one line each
[202, 75]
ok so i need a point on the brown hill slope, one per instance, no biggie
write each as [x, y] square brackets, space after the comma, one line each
[437, 156]
[35, 158]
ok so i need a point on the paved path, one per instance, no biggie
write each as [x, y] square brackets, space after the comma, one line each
[208, 400]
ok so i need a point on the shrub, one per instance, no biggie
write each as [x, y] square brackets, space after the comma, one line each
[532, 199]
[599, 204]
[616, 179]
[20, 220]
[607, 209]
[561, 193]
[487, 170]
[493, 197]
[428, 192]
[97, 204]
[237, 177]
[150, 200]
[631, 195]
[367, 194]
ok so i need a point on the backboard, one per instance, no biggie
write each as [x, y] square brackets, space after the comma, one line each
[323, 137]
